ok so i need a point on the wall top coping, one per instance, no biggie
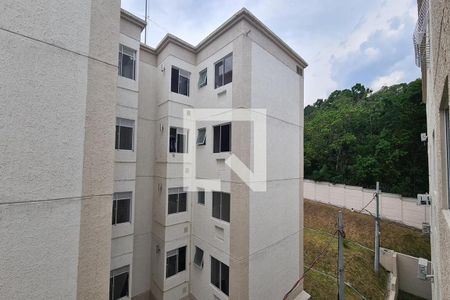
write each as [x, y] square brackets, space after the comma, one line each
[352, 187]
[391, 195]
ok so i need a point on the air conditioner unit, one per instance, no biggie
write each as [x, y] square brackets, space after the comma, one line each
[426, 228]
[422, 268]
[423, 199]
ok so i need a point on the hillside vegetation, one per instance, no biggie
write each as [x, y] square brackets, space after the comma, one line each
[357, 137]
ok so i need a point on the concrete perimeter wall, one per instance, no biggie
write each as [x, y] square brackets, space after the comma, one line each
[403, 269]
[392, 206]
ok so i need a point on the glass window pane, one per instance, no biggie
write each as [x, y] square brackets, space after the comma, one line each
[183, 87]
[216, 139]
[114, 212]
[173, 140]
[126, 138]
[201, 197]
[228, 73]
[201, 136]
[127, 66]
[225, 138]
[120, 62]
[182, 202]
[173, 204]
[198, 257]
[121, 285]
[111, 288]
[203, 79]
[181, 146]
[181, 259]
[226, 207]
[224, 278]
[123, 210]
[218, 74]
[216, 205]
[128, 51]
[171, 265]
[215, 270]
[117, 136]
[174, 80]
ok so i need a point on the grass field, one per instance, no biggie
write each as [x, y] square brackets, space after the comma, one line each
[320, 224]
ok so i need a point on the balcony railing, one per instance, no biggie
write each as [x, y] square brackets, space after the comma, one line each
[420, 37]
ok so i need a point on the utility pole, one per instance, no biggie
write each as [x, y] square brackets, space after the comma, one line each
[341, 236]
[145, 30]
[377, 231]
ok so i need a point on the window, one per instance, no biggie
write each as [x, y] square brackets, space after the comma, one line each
[201, 136]
[127, 62]
[177, 200]
[178, 140]
[176, 261]
[447, 146]
[201, 197]
[121, 208]
[118, 283]
[124, 134]
[222, 138]
[221, 206]
[224, 71]
[220, 275]
[203, 78]
[198, 257]
[180, 81]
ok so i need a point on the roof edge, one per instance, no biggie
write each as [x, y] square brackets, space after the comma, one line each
[245, 14]
[242, 14]
[132, 18]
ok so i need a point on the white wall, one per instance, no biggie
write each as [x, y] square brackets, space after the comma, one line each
[275, 214]
[55, 75]
[392, 207]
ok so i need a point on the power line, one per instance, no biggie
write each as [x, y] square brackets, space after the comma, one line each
[316, 260]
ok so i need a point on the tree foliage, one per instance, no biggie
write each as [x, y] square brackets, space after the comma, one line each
[357, 137]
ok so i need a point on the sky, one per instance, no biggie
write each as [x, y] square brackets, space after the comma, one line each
[343, 42]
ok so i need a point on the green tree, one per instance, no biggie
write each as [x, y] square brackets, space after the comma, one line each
[358, 137]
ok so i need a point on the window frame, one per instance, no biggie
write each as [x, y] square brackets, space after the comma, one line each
[122, 49]
[181, 74]
[115, 273]
[123, 122]
[176, 191]
[222, 216]
[201, 192]
[176, 253]
[200, 251]
[185, 133]
[121, 196]
[220, 268]
[203, 74]
[222, 62]
[220, 150]
[199, 141]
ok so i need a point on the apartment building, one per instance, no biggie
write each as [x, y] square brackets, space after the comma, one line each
[90, 209]
[431, 40]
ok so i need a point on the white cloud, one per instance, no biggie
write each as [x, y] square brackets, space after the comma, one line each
[377, 20]
[371, 52]
[390, 79]
[330, 35]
